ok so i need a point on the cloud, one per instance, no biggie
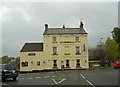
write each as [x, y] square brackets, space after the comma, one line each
[24, 21]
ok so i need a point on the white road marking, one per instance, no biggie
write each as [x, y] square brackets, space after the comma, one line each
[21, 74]
[54, 81]
[46, 77]
[53, 76]
[59, 81]
[62, 80]
[37, 77]
[90, 83]
[82, 76]
[21, 78]
[6, 85]
[29, 78]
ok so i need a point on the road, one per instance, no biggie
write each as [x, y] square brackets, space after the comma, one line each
[90, 78]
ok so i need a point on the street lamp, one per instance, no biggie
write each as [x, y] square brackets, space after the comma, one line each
[101, 41]
[101, 55]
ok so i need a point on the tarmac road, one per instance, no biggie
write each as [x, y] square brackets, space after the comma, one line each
[90, 78]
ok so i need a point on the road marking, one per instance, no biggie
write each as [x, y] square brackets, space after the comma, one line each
[21, 78]
[54, 81]
[53, 76]
[62, 80]
[29, 78]
[90, 83]
[46, 77]
[82, 76]
[21, 74]
[37, 77]
[6, 85]
[59, 81]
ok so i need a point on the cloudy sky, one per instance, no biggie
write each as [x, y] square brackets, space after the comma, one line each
[24, 21]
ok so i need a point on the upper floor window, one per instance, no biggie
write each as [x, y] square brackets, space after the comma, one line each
[84, 47]
[67, 50]
[31, 54]
[77, 50]
[77, 39]
[24, 64]
[54, 39]
[54, 50]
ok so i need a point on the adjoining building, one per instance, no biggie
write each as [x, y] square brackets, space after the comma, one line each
[61, 47]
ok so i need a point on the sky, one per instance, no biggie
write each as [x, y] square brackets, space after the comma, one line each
[24, 22]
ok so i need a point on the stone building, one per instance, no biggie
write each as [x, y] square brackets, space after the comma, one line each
[61, 47]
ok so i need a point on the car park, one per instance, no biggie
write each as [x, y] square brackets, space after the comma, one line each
[116, 65]
[8, 71]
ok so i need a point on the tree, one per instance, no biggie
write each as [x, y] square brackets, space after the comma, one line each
[100, 53]
[110, 50]
[5, 60]
[116, 37]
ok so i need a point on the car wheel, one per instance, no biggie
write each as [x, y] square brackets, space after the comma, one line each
[14, 78]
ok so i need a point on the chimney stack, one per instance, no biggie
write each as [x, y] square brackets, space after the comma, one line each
[63, 26]
[81, 25]
[46, 26]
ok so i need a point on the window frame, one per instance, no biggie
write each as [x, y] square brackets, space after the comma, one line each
[84, 47]
[54, 50]
[54, 63]
[77, 38]
[38, 63]
[31, 54]
[78, 63]
[24, 64]
[54, 39]
[77, 49]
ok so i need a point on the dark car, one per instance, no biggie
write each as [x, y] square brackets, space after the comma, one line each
[8, 71]
[116, 65]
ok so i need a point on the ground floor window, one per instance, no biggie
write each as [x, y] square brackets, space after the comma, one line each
[38, 63]
[78, 63]
[54, 63]
[24, 64]
[67, 63]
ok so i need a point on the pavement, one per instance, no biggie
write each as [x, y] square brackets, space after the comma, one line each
[90, 78]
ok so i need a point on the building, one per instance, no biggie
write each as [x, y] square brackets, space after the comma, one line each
[61, 47]
[93, 60]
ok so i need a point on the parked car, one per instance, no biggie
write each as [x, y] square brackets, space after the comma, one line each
[116, 65]
[8, 71]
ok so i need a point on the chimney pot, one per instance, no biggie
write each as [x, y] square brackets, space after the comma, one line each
[46, 26]
[81, 25]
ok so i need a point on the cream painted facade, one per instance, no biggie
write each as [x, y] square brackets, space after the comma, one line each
[65, 51]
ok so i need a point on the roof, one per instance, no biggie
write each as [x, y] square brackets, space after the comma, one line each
[32, 47]
[51, 31]
[92, 55]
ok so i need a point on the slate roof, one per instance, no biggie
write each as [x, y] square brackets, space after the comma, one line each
[32, 47]
[51, 31]
[91, 55]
